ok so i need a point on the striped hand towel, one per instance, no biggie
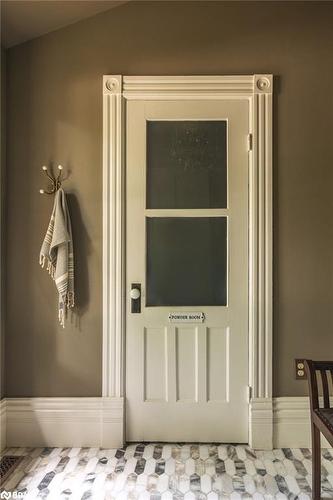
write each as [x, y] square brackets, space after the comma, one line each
[57, 251]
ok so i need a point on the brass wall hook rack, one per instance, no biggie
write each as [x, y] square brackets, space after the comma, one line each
[55, 181]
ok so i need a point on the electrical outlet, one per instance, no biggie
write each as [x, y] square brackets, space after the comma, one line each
[300, 369]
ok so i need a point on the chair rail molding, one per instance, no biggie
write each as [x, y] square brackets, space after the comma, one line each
[257, 90]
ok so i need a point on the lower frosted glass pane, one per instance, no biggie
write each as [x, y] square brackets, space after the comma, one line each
[186, 261]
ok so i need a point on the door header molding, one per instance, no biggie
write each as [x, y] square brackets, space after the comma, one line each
[138, 87]
[257, 90]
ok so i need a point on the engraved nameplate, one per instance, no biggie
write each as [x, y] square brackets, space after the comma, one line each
[186, 317]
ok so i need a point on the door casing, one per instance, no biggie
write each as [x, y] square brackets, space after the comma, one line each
[257, 90]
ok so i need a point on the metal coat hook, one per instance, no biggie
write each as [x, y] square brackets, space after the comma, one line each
[56, 181]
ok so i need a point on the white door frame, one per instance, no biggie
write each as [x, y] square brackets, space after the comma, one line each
[257, 90]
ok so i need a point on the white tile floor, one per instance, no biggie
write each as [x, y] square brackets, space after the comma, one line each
[167, 472]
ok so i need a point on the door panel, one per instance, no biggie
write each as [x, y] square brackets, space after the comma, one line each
[187, 205]
[217, 364]
[186, 364]
[155, 364]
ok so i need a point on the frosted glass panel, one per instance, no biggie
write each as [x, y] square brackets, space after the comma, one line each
[187, 164]
[186, 261]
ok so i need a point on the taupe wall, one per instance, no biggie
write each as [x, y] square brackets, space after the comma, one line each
[2, 207]
[55, 115]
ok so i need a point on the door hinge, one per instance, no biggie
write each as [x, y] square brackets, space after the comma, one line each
[249, 142]
[249, 393]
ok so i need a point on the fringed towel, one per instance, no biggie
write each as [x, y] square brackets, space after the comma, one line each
[57, 251]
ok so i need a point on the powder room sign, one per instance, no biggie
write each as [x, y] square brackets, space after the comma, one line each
[186, 317]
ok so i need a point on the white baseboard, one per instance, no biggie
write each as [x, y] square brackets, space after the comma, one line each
[3, 424]
[291, 423]
[261, 423]
[281, 423]
[60, 422]
[99, 422]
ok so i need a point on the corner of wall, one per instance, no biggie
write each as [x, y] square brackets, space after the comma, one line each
[2, 212]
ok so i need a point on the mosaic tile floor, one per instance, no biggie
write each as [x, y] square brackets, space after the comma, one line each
[167, 472]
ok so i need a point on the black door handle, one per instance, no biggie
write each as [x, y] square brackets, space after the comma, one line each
[135, 295]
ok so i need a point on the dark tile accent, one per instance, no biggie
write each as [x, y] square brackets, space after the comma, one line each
[160, 467]
[240, 468]
[140, 466]
[86, 495]
[282, 485]
[120, 453]
[219, 466]
[46, 480]
[195, 484]
[238, 484]
[139, 450]
[66, 492]
[306, 453]
[288, 453]
[231, 451]
[61, 465]
[158, 451]
[120, 466]
[250, 454]
[300, 467]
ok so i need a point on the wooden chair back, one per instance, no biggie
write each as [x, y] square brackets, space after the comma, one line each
[319, 371]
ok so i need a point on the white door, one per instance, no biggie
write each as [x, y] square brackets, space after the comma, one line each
[187, 258]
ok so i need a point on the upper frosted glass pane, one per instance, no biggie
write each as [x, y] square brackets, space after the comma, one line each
[187, 164]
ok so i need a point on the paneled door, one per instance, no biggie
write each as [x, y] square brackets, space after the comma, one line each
[187, 270]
